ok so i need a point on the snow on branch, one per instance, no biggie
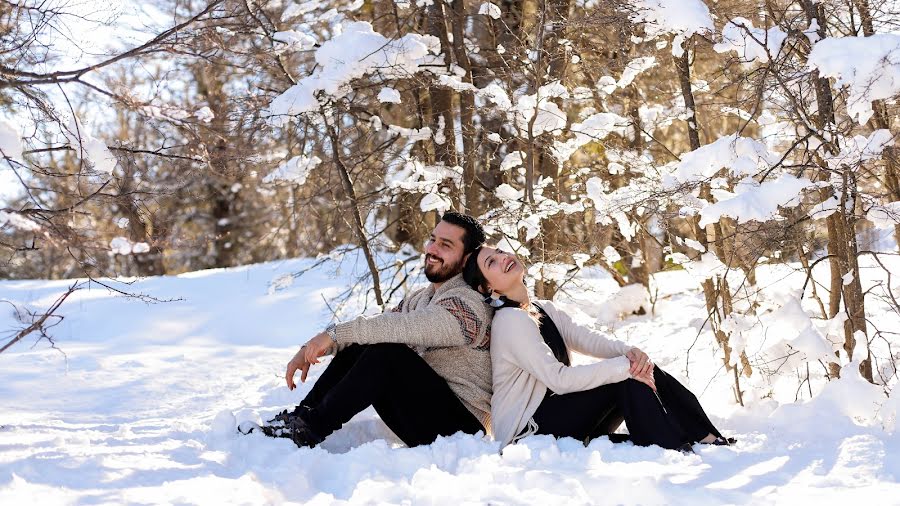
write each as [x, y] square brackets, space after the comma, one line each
[489, 9]
[594, 128]
[741, 156]
[89, 148]
[634, 68]
[18, 221]
[417, 177]
[885, 216]
[868, 66]
[859, 149]
[682, 18]
[753, 201]
[356, 52]
[10, 141]
[750, 44]
[295, 170]
[539, 111]
[783, 327]
[294, 41]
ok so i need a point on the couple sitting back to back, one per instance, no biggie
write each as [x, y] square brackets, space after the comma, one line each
[437, 364]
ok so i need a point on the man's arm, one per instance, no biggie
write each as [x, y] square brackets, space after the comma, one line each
[457, 319]
[451, 321]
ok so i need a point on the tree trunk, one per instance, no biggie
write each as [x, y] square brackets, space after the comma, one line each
[711, 292]
[355, 211]
[841, 224]
[466, 109]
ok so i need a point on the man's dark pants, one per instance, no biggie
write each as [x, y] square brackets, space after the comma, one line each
[413, 401]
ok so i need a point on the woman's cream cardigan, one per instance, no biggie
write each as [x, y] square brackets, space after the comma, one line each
[524, 367]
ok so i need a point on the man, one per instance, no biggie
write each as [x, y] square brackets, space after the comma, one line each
[424, 366]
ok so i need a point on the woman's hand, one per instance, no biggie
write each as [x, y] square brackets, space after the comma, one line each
[640, 363]
[646, 379]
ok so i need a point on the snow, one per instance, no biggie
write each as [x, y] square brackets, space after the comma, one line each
[122, 246]
[607, 85]
[884, 216]
[683, 18]
[611, 255]
[598, 126]
[790, 328]
[740, 155]
[88, 147]
[512, 160]
[595, 127]
[10, 141]
[140, 407]
[204, 114]
[389, 96]
[295, 170]
[507, 192]
[140, 247]
[18, 221]
[629, 299]
[294, 40]
[705, 267]
[412, 134]
[495, 94]
[868, 66]
[858, 149]
[417, 177]
[490, 9]
[695, 245]
[825, 208]
[435, 202]
[750, 43]
[536, 114]
[356, 52]
[847, 278]
[295, 9]
[439, 136]
[634, 68]
[752, 201]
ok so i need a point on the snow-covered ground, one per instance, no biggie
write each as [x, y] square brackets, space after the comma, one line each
[139, 404]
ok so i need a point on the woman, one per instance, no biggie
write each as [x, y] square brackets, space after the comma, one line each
[537, 391]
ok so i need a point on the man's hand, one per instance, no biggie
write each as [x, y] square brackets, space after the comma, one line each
[640, 363]
[308, 354]
[297, 363]
[317, 347]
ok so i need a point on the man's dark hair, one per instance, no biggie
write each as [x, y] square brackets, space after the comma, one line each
[474, 236]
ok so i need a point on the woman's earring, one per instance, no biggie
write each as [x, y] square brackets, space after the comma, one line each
[494, 300]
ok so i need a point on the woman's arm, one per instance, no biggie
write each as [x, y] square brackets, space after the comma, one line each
[515, 338]
[582, 339]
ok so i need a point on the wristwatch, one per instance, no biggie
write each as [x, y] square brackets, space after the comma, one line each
[331, 330]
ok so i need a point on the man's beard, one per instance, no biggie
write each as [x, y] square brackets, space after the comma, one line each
[438, 273]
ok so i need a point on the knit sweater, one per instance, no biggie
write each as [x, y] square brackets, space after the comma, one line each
[450, 327]
[524, 366]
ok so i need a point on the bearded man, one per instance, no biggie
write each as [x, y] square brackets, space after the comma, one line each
[424, 366]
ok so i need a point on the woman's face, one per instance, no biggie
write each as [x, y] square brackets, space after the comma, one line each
[502, 270]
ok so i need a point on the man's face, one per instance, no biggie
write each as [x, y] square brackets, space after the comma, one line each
[444, 252]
